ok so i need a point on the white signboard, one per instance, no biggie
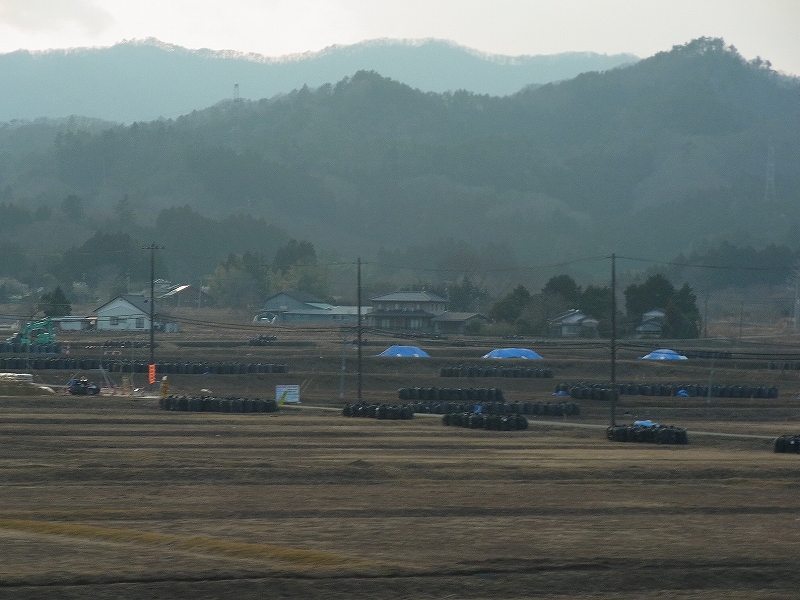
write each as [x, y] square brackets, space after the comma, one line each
[287, 394]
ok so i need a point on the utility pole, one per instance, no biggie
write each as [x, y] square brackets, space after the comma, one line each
[613, 339]
[358, 337]
[152, 247]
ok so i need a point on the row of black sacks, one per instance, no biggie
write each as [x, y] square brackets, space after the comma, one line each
[485, 371]
[474, 420]
[392, 412]
[39, 362]
[787, 444]
[784, 366]
[602, 391]
[451, 394]
[493, 421]
[553, 409]
[231, 404]
[17, 348]
[658, 434]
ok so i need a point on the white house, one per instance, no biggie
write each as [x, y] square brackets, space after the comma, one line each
[129, 312]
[573, 323]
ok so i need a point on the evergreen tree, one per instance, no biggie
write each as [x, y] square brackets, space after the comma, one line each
[55, 304]
[510, 307]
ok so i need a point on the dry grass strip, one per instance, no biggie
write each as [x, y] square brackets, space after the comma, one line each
[293, 556]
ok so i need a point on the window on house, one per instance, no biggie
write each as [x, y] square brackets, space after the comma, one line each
[139, 322]
[114, 321]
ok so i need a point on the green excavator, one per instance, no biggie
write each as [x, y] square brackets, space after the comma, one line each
[35, 332]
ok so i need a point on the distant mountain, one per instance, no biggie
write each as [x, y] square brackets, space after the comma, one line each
[146, 80]
[688, 148]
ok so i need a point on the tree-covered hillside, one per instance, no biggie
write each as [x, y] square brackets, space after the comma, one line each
[670, 154]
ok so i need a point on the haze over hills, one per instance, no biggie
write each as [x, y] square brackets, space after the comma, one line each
[145, 80]
[686, 149]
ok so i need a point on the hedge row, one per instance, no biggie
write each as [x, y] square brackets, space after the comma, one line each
[40, 362]
[378, 411]
[649, 435]
[213, 404]
[555, 409]
[484, 371]
[451, 394]
[602, 391]
[788, 444]
[482, 421]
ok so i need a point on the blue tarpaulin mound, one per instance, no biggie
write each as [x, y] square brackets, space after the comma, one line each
[403, 351]
[663, 354]
[511, 353]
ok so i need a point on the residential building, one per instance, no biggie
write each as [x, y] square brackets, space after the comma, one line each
[300, 307]
[129, 312]
[406, 311]
[573, 323]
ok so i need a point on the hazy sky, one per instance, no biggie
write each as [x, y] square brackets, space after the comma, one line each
[766, 28]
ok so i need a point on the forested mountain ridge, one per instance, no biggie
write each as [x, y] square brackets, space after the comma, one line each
[147, 79]
[670, 154]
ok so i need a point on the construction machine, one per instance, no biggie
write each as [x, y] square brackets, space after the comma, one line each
[35, 332]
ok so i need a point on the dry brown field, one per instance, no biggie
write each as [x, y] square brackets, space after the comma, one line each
[110, 497]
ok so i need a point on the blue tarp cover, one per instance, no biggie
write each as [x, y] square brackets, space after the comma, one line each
[663, 354]
[511, 353]
[403, 351]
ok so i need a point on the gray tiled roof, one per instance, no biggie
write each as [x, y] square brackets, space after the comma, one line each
[422, 296]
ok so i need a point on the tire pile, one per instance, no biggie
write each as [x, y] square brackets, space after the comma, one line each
[787, 444]
[230, 404]
[390, 412]
[647, 435]
[486, 371]
[451, 394]
[494, 422]
[603, 391]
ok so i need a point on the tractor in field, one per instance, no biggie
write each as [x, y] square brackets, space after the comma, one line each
[82, 387]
